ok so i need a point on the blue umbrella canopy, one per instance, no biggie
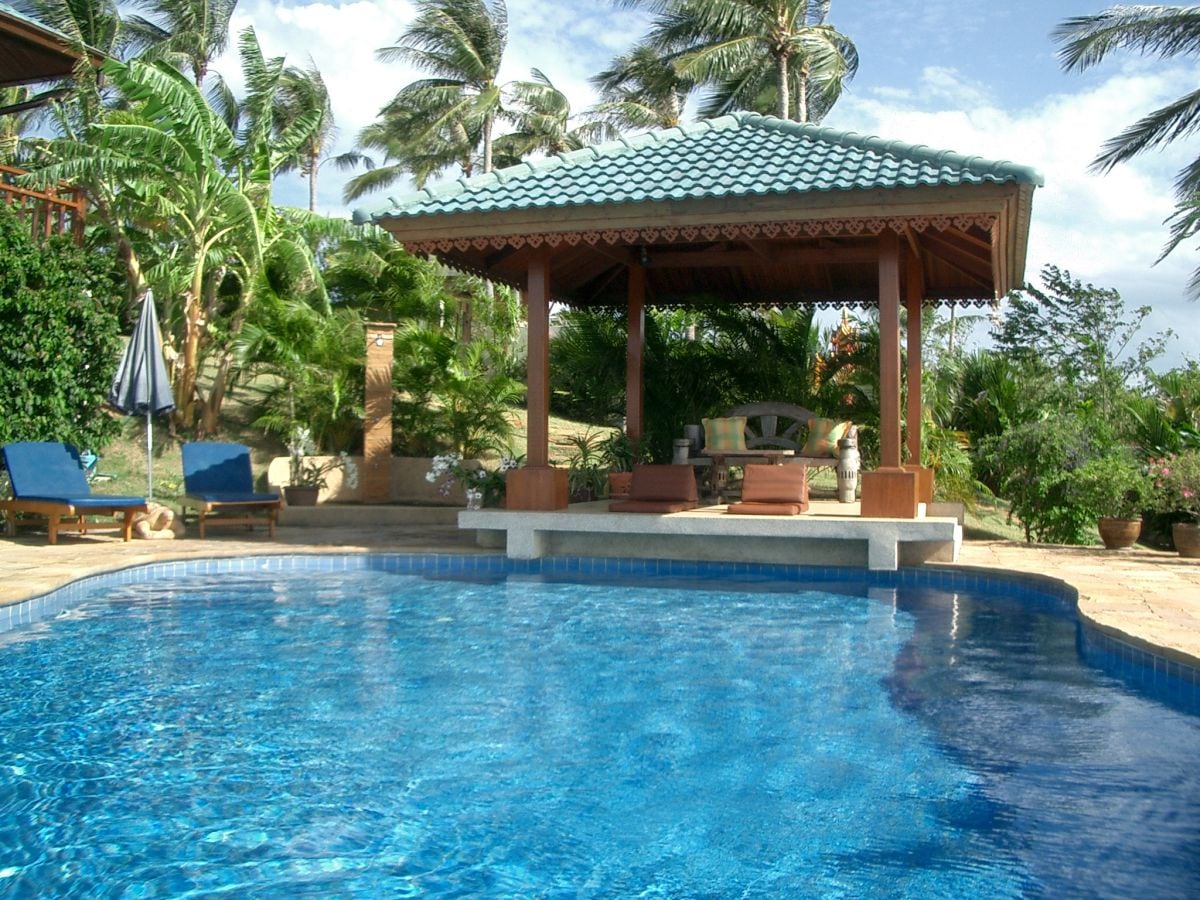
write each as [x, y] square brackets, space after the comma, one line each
[141, 386]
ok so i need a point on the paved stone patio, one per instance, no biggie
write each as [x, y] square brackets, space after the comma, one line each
[1148, 597]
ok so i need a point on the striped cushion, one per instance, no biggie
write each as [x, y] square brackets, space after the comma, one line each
[823, 436]
[725, 435]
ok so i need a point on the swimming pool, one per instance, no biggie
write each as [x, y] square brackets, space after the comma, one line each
[385, 726]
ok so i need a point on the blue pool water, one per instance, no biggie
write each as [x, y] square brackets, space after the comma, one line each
[378, 734]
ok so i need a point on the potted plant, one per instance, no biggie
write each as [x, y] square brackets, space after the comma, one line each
[1115, 488]
[585, 467]
[1176, 479]
[619, 452]
[306, 476]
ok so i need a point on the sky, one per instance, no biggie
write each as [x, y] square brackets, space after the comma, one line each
[974, 76]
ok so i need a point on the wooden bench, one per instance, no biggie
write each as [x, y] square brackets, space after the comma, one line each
[781, 426]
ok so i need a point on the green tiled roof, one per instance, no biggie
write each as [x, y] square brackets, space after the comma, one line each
[739, 155]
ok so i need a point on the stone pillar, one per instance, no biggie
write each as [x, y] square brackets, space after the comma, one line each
[376, 477]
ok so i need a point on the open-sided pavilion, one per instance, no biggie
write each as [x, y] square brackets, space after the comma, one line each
[742, 209]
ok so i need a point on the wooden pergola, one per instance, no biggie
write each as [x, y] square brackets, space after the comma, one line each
[744, 209]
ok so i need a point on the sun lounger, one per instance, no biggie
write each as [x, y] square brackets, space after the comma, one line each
[660, 489]
[220, 487]
[773, 491]
[49, 483]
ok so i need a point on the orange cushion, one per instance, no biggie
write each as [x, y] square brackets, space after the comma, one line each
[775, 484]
[767, 509]
[664, 482]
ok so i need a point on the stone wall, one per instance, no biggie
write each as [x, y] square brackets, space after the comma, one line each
[408, 484]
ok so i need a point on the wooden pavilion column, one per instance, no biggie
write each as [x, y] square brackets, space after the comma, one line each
[537, 485]
[635, 353]
[890, 491]
[914, 292]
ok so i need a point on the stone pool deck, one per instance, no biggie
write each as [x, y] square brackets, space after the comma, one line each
[1147, 597]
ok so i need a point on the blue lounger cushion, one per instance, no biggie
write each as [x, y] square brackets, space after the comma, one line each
[48, 480]
[50, 471]
[216, 476]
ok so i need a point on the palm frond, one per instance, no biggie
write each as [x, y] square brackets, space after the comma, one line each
[1163, 31]
[1178, 119]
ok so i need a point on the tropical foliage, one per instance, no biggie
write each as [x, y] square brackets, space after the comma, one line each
[60, 340]
[268, 304]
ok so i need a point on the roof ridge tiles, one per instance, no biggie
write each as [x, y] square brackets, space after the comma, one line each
[922, 152]
[749, 155]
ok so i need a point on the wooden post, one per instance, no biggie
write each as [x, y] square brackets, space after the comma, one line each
[538, 485]
[635, 351]
[914, 290]
[889, 349]
[537, 383]
[889, 491]
[377, 405]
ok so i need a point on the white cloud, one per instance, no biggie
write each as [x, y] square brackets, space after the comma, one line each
[1105, 228]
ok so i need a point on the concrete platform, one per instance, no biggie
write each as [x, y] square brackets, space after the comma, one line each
[829, 534]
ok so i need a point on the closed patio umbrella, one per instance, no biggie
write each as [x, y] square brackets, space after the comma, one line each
[141, 386]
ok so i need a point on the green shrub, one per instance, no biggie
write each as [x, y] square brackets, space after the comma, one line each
[1034, 464]
[1113, 484]
[59, 341]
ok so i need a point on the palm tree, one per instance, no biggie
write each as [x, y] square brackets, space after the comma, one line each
[754, 51]
[1164, 31]
[188, 33]
[461, 44]
[641, 89]
[410, 147]
[302, 93]
[542, 123]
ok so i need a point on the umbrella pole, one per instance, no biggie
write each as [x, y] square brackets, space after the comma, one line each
[149, 458]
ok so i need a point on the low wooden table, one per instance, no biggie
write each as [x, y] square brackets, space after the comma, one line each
[721, 461]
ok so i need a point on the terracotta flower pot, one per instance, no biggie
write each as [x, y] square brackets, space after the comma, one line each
[1187, 539]
[301, 494]
[619, 484]
[1117, 534]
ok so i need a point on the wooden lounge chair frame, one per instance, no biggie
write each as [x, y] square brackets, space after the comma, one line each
[220, 488]
[58, 495]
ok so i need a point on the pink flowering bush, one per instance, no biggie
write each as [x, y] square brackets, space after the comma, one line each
[1176, 479]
